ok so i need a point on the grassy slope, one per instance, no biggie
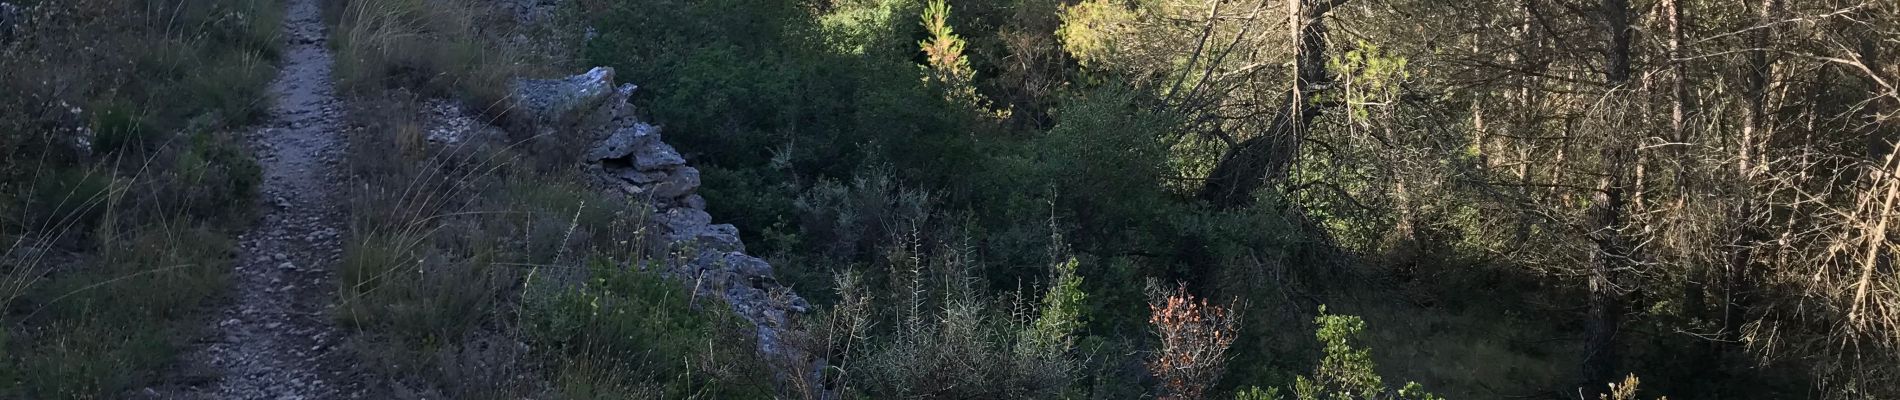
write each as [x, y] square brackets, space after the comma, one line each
[111, 256]
[459, 252]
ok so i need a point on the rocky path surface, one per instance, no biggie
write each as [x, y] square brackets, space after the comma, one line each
[276, 340]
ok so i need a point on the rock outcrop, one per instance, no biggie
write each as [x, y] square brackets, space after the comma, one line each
[550, 100]
[629, 158]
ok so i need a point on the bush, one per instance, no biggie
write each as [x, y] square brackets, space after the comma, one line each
[847, 223]
[937, 335]
[1194, 339]
[621, 332]
[1345, 372]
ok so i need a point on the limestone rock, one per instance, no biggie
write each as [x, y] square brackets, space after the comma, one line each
[657, 156]
[680, 183]
[719, 237]
[693, 201]
[641, 178]
[557, 99]
[747, 266]
[624, 141]
[683, 219]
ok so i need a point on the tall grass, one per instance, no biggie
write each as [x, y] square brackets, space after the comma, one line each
[121, 182]
[464, 246]
[457, 245]
[441, 48]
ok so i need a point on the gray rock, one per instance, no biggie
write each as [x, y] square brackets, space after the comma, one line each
[693, 201]
[683, 219]
[559, 99]
[625, 91]
[657, 156]
[747, 266]
[682, 182]
[719, 237]
[627, 188]
[623, 141]
[642, 178]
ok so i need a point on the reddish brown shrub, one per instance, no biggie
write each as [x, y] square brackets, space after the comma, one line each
[1194, 340]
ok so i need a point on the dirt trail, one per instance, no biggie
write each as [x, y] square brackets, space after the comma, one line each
[276, 340]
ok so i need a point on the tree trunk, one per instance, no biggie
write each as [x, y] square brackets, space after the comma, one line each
[1254, 162]
[1606, 296]
[1694, 292]
[1611, 254]
[1737, 279]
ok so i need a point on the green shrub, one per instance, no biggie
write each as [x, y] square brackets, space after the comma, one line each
[229, 86]
[847, 222]
[1060, 314]
[624, 332]
[935, 333]
[69, 200]
[117, 126]
[212, 178]
[1346, 371]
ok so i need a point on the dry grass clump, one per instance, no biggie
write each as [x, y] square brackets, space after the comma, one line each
[442, 48]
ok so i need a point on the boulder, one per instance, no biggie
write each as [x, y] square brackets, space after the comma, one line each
[635, 152]
[746, 269]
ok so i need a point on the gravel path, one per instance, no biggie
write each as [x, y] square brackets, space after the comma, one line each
[276, 340]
